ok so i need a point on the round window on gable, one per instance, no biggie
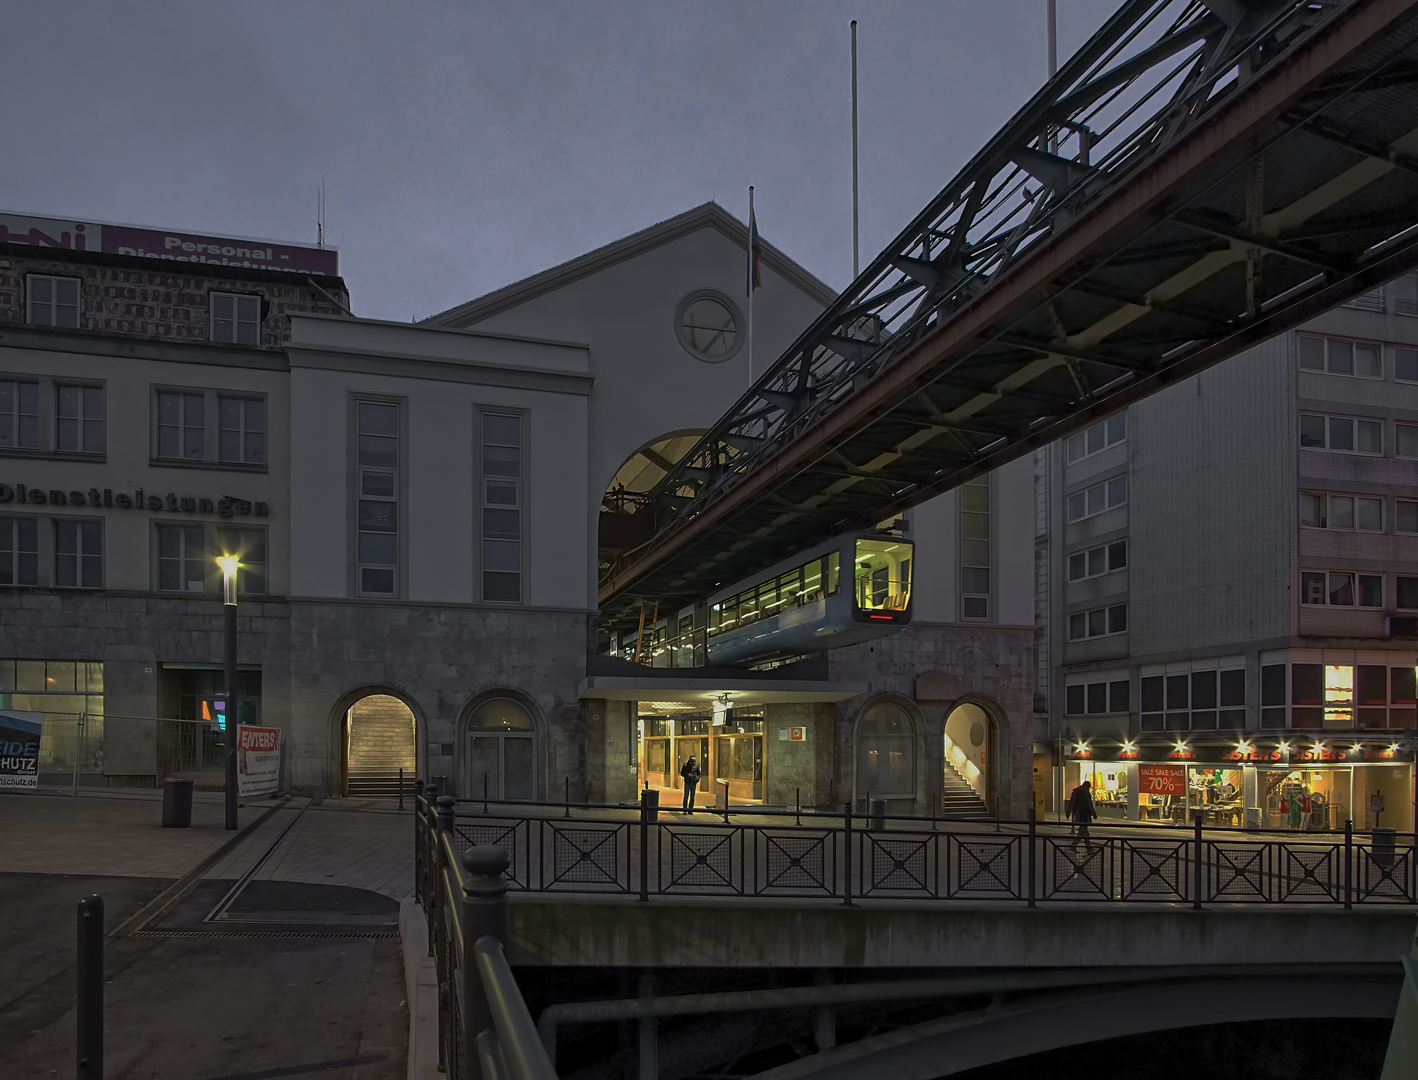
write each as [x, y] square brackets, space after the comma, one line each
[708, 326]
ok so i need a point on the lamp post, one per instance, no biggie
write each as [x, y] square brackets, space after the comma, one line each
[229, 565]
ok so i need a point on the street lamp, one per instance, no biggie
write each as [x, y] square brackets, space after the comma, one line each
[230, 564]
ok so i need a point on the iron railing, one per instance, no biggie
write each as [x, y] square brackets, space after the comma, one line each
[848, 858]
[484, 1029]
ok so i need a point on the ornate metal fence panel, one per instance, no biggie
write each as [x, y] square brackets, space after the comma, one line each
[986, 867]
[1383, 873]
[1078, 869]
[702, 859]
[588, 857]
[899, 864]
[1311, 873]
[1154, 870]
[511, 834]
[795, 862]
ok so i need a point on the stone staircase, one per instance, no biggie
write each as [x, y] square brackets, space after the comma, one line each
[378, 783]
[381, 743]
[959, 798]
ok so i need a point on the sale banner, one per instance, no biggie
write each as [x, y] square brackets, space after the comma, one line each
[1162, 779]
[258, 759]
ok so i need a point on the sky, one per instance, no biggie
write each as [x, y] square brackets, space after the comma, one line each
[464, 146]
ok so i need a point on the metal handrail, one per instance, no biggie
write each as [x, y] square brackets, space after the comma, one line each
[522, 1049]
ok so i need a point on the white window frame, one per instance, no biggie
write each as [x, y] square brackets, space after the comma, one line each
[1109, 681]
[1412, 429]
[1329, 360]
[1113, 494]
[246, 433]
[225, 326]
[1405, 508]
[968, 610]
[1329, 507]
[54, 305]
[1329, 420]
[1330, 584]
[16, 415]
[1107, 614]
[1405, 356]
[517, 487]
[11, 529]
[1096, 438]
[368, 483]
[83, 553]
[202, 558]
[83, 422]
[1105, 555]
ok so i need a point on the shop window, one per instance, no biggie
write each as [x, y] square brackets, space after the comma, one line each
[1097, 438]
[1341, 356]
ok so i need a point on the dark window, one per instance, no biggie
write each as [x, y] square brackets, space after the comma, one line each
[1307, 684]
[249, 546]
[1118, 555]
[1371, 684]
[181, 426]
[1407, 592]
[1118, 696]
[236, 319]
[53, 301]
[1402, 685]
[377, 514]
[19, 551]
[1118, 619]
[241, 434]
[1233, 688]
[1312, 588]
[1272, 684]
[502, 519]
[1074, 700]
[182, 558]
[78, 554]
[78, 419]
[1203, 690]
[1177, 691]
[1150, 693]
[19, 414]
[1098, 697]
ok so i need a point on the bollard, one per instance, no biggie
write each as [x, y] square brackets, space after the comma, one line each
[401, 788]
[89, 1003]
[799, 800]
[1197, 861]
[484, 793]
[568, 796]
[876, 814]
[484, 915]
[1033, 854]
[649, 811]
[847, 855]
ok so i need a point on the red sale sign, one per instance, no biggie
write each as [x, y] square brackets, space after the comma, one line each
[1162, 779]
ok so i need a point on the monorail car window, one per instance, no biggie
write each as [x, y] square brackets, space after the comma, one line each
[883, 575]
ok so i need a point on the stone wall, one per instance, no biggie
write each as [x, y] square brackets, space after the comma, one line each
[989, 665]
[131, 295]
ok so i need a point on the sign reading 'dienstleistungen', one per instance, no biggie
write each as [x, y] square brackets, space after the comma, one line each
[172, 246]
[19, 750]
[136, 499]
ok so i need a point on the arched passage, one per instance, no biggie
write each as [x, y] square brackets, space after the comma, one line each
[968, 781]
[500, 750]
[886, 757]
[378, 739]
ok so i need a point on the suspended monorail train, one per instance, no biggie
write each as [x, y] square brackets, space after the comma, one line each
[852, 588]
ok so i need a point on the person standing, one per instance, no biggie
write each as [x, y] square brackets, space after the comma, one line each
[1082, 812]
[689, 773]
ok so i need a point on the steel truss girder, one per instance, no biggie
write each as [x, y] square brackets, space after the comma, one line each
[1004, 244]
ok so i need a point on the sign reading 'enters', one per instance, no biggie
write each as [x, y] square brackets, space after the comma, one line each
[1162, 779]
[258, 759]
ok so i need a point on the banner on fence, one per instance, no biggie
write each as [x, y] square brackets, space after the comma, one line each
[1162, 779]
[258, 759]
[19, 750]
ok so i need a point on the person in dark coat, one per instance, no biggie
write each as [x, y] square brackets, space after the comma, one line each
[1082, 812]
[689, 772]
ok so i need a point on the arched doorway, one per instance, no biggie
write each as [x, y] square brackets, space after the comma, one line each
[501, 752]
[967, 781]
[379, 740]
[886, 758]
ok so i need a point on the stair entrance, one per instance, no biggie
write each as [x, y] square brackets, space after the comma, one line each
[966, 777]
[379, 741]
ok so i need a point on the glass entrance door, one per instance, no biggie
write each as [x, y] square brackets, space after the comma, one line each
[501, 761]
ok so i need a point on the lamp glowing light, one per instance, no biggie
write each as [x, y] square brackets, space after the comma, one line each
[229, 564]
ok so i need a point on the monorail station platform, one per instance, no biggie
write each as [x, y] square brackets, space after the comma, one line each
[758, 737]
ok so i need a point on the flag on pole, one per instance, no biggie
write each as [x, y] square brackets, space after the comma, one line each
[755, 249]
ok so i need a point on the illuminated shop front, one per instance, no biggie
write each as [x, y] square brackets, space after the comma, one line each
[1278, 784]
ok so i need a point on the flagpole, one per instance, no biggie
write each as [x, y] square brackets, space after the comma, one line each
[856, 266]
[750, 285]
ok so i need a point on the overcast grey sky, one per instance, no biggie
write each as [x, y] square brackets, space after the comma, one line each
[467, 145]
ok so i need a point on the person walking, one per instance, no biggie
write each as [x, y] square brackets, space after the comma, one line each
[1082, 813]
[689, 773]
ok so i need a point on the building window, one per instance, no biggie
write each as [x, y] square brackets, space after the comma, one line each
[1405, 364]
[1098, 498]
[502, 502]
[1405, 516]
[182, 426]
[1096, 694]
[1405, 440]
[1373, 300]
[53, 301]
[236, 319]
[708, 327]
[1100, 622]
[1407, 589]
[1098, 561]
[975, 548]
[1341, 589]
[1405, 295]
[78, 554]
[1205, 695]
[377, 541]
[241, 435]
[78, 419]
[1347, 434]
[1320, 510]
[19, 551]
[1341, 356]
[183, 565]
[1097, 438]
[19, 414]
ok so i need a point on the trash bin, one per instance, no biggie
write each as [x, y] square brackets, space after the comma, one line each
[176, 803]
[650, 805]
[876, 814]
[1381, 847]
